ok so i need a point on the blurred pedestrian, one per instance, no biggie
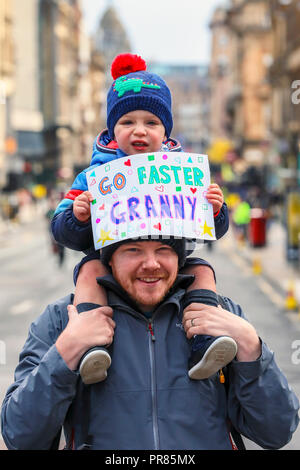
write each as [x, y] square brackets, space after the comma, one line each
[57, 248]
[241, 219]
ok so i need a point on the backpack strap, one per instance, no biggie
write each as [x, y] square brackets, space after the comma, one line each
[236, 437]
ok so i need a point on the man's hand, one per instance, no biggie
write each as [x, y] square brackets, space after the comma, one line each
[214, 195]
[215, 321]
[84, 331]
[81, 206]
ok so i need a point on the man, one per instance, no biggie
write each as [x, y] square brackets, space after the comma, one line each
[147, 400]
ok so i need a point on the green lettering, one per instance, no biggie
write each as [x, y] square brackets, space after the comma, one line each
[198, 175]
[166, 178]
[154, 176]
[175, 170]
[187, 176]
[141, 171]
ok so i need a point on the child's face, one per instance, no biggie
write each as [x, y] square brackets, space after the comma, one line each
[139, 132]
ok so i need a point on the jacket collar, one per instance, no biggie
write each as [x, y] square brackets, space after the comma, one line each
[118, 296]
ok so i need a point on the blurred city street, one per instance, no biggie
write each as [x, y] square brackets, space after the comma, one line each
[31, 278]
[234, 77]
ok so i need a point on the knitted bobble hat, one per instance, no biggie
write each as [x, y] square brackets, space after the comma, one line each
[136, 89]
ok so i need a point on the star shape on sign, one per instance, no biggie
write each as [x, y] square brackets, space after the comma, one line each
[206, 229]
[104, 236]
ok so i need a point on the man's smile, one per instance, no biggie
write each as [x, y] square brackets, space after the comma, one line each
[149, 280]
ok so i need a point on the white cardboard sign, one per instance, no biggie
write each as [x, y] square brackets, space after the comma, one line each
[161, 193]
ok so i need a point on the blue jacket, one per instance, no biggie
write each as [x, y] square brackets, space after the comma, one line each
[76, 235]
[147, 400]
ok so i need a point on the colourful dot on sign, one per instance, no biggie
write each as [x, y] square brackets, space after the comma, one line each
[151, 158]
[178, 188]
[165, 157]
[123, 234]
[97, 221]
[94, 201]
[143, 225]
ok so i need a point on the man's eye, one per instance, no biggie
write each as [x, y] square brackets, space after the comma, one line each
[165, 248]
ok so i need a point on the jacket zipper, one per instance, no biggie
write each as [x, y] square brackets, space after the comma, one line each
[153, 384]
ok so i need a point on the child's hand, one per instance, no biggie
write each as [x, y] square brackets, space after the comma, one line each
[214, 195]
[81, 206]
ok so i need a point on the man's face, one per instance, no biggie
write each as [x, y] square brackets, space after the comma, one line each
[139, 132]
[146, 270]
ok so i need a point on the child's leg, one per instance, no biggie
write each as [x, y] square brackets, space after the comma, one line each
[89, 295]
[87, 289]
[208, 354]
[204, 277]
[203, 289]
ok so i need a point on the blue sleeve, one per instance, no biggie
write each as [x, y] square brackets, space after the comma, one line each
[70, 232]
[261, 404]
[222, 221]
[36, 404]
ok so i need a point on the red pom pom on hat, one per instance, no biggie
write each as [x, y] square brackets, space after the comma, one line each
[127, 63]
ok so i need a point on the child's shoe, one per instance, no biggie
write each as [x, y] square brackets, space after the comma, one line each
[209, 355]
[94, 364]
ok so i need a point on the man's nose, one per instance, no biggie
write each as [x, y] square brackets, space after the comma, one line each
[150, 261]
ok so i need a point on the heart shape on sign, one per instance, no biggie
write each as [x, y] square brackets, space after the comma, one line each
[128, 162]
[193, 190]
[160, 188]
[158, 226]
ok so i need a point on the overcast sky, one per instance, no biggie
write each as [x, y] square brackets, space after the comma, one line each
[174, 31]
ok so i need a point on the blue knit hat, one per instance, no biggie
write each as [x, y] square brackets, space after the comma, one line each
[133, 89]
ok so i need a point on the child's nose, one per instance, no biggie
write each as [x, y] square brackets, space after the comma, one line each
[140, 129]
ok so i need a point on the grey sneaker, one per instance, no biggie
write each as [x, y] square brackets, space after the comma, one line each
[209, 354]
[94, 364]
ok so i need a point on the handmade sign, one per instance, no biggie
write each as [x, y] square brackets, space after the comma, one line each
[161, 193]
